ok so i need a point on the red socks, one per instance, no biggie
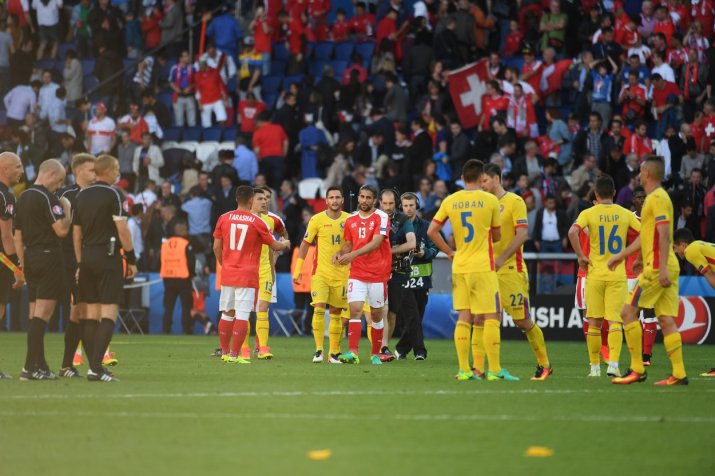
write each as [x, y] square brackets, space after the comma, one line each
[354, 332]
[650, 331]
[376, 335]
[225, 329]
[240, 329]
[604, 332]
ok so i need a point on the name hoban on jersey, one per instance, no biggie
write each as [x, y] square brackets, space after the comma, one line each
[467, 204]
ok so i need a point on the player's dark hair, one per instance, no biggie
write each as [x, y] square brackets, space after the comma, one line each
[267, 189]
[257, 190]
[244, 193]
[655, 165]
[683, 235]
[605, 188]
[472, 170]
[369, 188]
[334, 188]
[493, 170]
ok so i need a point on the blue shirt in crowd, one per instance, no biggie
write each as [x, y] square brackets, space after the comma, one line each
[198, 210]
[245, 164]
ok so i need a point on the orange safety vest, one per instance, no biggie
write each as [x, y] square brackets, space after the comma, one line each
[173, 258]
[308, 264]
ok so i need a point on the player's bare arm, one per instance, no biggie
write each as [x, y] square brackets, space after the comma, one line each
[663, 231]
[347, 248]
[630, 249]
[520, 237]
[302, 253]
[125, 238]
[279, 245]
[407, 246]
[583, 260]
[347, 258]
[433, 232]
[77, 242]
[218, 250]
[496, 234]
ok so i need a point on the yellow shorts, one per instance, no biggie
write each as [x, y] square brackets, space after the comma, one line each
[266, 291]
[478, 292]
[649, 294]
[325, 291]
[604, 299]
[514, 288]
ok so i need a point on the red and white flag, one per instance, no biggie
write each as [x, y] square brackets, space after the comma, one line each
[552, 76]
[467, 85]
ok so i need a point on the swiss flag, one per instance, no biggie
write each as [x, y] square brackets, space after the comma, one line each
[467, 85]
[552, 76]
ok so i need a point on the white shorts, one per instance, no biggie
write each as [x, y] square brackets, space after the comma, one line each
[580, 297]
[375, 294]
[217, 108]
[237, 299]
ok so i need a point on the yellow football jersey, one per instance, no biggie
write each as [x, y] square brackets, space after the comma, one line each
[513, 216]
[608, 226]
[657, 209]
[701, 254]
[473, 215]
[275, 224]
[327, 235]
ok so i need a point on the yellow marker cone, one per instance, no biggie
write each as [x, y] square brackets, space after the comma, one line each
[319, 455]
[538, 452]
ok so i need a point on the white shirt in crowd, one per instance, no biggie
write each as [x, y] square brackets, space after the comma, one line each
[642, 51]
[47, 15]
[135, 228]
[19, 101]
[145, 197]
[46, 96]
[101, 132]
[665, 71]
[550, 230]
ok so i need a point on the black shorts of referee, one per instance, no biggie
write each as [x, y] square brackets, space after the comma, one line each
[44, 268]
[7, 280]
[101, 276]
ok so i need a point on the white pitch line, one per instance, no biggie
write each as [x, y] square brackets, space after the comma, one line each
[347, 416]
[545, 391]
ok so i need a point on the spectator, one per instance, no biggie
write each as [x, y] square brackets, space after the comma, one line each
[57, 118]
[198, 211]
[107, 70]
[251, 69]
[460, 150]
[134, 123]
[133, 36]
[520, 114]
[691, 160]
[312, 142]
[633, 97]
[211, 94]
[7, 48]
[262, 33]
[80, 27]
[150, 27]
[225, 32]
[590, 140]
[72, 77]
[135, 228]
[172, 26]
[167, 197]
[19, 101]
[181, 81]
[48, 20]
[160, 227]
[292, 211]
[219, 61]
[694, 84]
[225, 167]
[606, 47]
[395, 101]
[101, 132]
[70, 147]
[146, 195]
[159, 117]
[560, 137]
[148, 159]
[342, 163]
[142, 80]
[624, 197]
[105, 22]
[639, 143]
[694, 192]
[601, 91]
[530, 163]
[685, 218]
[270, 144]
[585, 173]
[224, 200]
[553, 27]
[46, 94]
[245, 163]
[125, 155]
[550, 228]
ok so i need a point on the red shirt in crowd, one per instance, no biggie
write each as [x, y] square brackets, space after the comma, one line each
[535, 68]
[703, 13]
[639, 92]
[661, 95]
[490, 107]
[359, 68]
[361, 26]
[318, 11]
[641, 146]
[513, 43]
[296, 31]
[665, 27]
[269, 139]
[152, 31]
[697, 132]
[341, 30]
[708, 130]
[262, 35]
[243, 235]
[376, 266]
[209, 86]
[247, 114]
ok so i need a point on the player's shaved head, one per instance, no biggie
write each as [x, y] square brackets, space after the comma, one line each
[472, 170]
[105, 163]
[655, 166]
[10, 168]
[605, 188]
[78, 160]
[50, 166]
[244, 195]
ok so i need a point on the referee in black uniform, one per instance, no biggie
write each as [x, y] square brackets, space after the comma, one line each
[10, 173]
[83, 171]
[41, 221]
[100, 229]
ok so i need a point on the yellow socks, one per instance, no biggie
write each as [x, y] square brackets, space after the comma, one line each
[538, 345]
[319, 328]
[368, 321]
[478, 354]
[245, 348]
[492, 344]
[593, 343]
[461, 343]
[634, 339]
[262, 329]
[674, 347]
[615, 341]
[335, 333]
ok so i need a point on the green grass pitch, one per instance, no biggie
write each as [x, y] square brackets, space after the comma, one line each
[179, 411]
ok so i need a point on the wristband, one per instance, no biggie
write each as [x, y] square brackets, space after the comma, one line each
[15, 260]
[298, 267]
[131, 257]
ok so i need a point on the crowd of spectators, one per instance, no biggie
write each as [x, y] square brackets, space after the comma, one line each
[355, 93]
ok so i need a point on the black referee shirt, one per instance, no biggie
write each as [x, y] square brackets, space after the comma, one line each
[7, 206]
[37, 211]
[95, 209]
[70, 193]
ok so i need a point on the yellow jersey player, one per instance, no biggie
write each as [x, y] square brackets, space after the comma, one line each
[266, 275]
[511, 271]
[657, 285]
[701, 255]
[474, 215]
[608, 226]
[328, 285]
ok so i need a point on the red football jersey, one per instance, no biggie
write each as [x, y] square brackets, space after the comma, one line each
[242, 233]
[632, 235]
[586, 248]
[376, 266]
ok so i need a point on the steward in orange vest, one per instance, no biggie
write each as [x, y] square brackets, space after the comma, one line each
[177, 269]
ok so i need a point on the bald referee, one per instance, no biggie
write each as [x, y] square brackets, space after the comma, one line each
[41, 221]
[10, 174]
[83, 170]
[99, 229]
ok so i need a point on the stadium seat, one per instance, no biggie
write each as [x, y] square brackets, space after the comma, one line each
[271, 84]
[172, 134]
[344, 50]
[315, 68]
[270, 99]
[296, 78]
[232, 84]
[278, 67]
[191, 146]
[324, 50]
[339, 66]
[191, 134]
[167, 100]
[204, 149]
[45, 64]
[365, 49]
[280, 52]
[64, 48]
[212, 134]
[229, 134]
[309, 188]
[87, 66]
[169, 144]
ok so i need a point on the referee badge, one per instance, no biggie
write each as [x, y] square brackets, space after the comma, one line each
[10, 209]
[57, 210]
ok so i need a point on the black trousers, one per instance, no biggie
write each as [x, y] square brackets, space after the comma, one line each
[411, 315]
[181, 288]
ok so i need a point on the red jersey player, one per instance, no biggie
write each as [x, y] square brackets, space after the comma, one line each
[238, 237]
[367, 250]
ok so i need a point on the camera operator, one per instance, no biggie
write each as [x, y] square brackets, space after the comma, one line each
[403, 242]
[416, 292]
